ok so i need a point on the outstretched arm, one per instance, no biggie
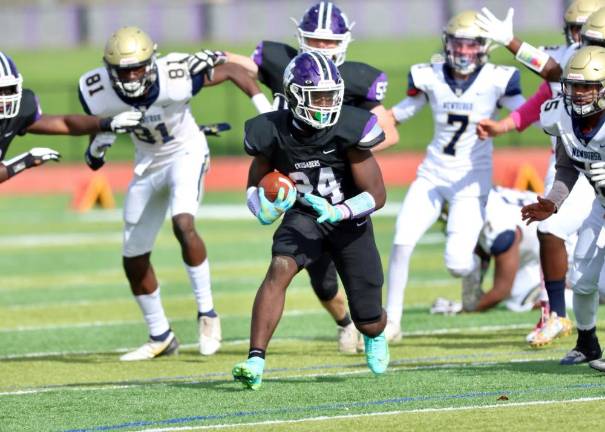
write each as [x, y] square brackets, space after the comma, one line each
[501, 32]
[33, 158]
[77, 124]
[506, 267]
[387, 122]
[246, 62]
[240, 77]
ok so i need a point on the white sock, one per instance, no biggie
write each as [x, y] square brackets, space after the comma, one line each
[585, 308]
[153, 312]
[399, 264]
[199, 276]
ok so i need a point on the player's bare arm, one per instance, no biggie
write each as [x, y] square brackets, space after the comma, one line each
[33, 158]
[244, 61]
[259, 167]
[501, 32]
[367, 175]
[506, 267]
[76, 124]
[238, 75]
[387, 122]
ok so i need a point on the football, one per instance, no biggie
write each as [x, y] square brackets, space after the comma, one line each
[272, 182]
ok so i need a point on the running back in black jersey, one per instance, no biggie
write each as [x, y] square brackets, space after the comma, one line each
[365, 86]
[317, 164]
[29, 113]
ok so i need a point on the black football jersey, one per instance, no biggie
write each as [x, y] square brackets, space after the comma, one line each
[318, 164]
[365, 86]
[29, 112]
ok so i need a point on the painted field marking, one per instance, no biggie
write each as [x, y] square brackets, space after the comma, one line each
[397, 365]
[378, 414]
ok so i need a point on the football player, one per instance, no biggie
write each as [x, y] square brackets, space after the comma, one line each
[20, 113]
[324, 147]
[324, 28]
[171, 159]
[458, 166]
[562, 227]
[576, 119]
[501, 32]
[515, 249]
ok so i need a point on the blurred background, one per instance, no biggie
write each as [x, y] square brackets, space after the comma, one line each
[55, 41]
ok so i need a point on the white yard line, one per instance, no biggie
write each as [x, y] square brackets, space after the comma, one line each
[379, 414]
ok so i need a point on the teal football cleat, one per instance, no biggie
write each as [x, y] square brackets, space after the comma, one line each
[250, 372]
[377, 353]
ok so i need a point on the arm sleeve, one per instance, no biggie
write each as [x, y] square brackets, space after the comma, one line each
[408, 107]
[565, 176]
[529, 112]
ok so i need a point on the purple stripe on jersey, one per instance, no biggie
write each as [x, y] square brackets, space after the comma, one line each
[378, 88]
[257, 55]
[38, 109]
[369, 126]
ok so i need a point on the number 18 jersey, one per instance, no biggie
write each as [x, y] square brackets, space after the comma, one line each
[457, 107]
[167, 127]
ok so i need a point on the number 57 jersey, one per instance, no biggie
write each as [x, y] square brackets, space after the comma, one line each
[457, 107]
[168, 127]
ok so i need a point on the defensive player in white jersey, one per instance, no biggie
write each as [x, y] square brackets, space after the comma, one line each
[458, 166]
[559, 230]
[171, 159]
[515, 249]
[577, 121]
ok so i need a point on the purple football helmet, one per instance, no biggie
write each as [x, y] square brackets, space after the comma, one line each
[10, 87]
[314, 89]
[325, 28]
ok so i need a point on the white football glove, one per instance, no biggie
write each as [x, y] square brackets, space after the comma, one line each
[443, 306]
[500, 31]
[101, 143]
[39, 155]
[122, 123]
[597, 173]
[204, 62]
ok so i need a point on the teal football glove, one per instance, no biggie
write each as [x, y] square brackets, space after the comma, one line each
[326, 211]
[270, 211]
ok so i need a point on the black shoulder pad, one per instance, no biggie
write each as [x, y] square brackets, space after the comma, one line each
[274, 57]
[260, 133]
[351, 126]
[361, 82]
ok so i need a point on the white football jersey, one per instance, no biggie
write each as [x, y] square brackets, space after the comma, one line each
[503, 213]
[557, 122]
[455, 144]
[167, 128]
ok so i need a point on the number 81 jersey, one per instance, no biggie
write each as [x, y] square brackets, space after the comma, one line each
[457, 108]
[167, 127]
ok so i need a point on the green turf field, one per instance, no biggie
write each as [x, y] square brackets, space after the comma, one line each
[67, 314]
[53, 75]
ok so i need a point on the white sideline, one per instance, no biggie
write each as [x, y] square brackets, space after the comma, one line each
[378, 414]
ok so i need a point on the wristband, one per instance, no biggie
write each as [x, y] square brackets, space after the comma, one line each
[261, 103]
[532, 57]
[359, 206]
[105, 124]
[253, 200]
[17, 164]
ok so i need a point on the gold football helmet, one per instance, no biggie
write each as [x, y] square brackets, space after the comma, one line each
[593, 30]
[583, 82]
[130, 60]
[464, 43]
[576, 15]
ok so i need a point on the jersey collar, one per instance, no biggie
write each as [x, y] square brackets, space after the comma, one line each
[458, 87]
[585, 138]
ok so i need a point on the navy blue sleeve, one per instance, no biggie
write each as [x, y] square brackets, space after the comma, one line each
[83, 102]
[412, 90]
[197, 82]
[503, 242]
[513, 87]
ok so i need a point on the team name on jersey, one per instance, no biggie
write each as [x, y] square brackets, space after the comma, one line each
[307, 164]
[149, 118]
[583, 154]
[458, 106]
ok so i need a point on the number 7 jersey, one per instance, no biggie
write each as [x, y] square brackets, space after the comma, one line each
[457, 107]
[167, 127]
